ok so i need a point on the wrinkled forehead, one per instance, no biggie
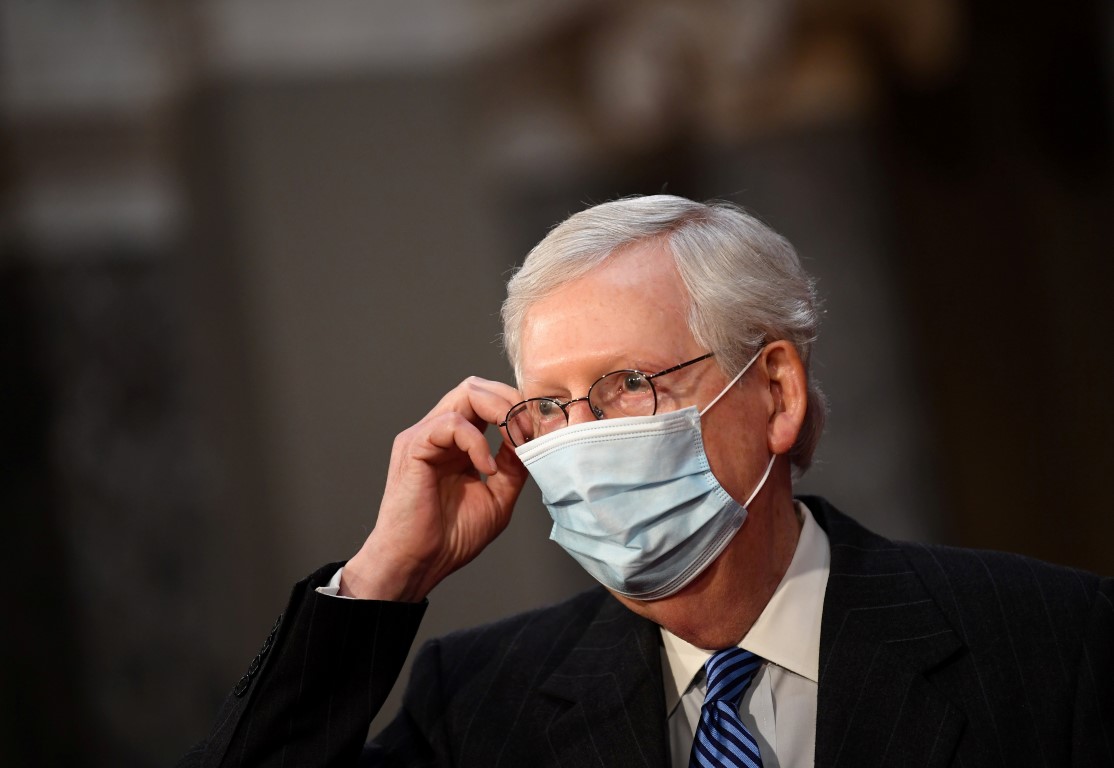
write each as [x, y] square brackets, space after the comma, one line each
[630, 311]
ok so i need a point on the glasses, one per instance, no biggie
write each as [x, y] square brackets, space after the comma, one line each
[619, 393]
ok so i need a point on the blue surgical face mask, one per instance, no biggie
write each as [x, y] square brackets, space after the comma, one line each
[634, 500]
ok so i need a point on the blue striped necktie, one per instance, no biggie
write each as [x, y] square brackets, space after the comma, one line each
[721, 738]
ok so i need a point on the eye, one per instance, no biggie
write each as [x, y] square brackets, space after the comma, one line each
[548, 410]
[636, 396]
[635, 383]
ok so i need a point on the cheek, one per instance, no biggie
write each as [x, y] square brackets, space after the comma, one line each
[735, 441]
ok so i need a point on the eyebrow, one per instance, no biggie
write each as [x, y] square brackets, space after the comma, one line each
[563, 394]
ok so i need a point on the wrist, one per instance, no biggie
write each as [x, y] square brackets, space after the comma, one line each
[371, 576]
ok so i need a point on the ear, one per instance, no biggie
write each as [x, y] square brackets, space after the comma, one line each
[788, 389]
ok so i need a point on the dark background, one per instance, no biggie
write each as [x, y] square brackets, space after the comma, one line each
[244, 243]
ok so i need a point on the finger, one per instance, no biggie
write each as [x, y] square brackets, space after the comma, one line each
[451, 433]
[490, 400]
[481, 401]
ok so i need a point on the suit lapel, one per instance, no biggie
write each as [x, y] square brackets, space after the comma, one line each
[611, 683]
[881, 638]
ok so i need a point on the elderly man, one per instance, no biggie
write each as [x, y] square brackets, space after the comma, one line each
[663, 404]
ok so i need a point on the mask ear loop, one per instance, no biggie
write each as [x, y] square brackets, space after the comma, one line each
[708, 407]
[761, 482]
[734, 381]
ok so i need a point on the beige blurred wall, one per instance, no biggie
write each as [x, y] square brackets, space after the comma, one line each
[249, 241]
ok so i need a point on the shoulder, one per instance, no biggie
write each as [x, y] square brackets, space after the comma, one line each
[982, 586]
[971, 586]
[1001, 572]
[1022, 646]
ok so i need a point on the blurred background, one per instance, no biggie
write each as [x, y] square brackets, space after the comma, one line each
[243, 243]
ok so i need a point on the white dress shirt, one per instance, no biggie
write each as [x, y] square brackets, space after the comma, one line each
[779, 708]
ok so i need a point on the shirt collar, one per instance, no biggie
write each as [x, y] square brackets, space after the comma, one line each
[787, 632]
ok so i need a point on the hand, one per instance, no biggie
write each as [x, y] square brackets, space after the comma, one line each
[439, 510]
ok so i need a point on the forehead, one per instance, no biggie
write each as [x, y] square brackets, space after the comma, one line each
[632, 311]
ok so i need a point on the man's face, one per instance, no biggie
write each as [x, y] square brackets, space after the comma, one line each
[632, 313]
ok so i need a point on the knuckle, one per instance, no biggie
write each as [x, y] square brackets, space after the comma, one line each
[455, 420]
[402, 439]
[447, 421]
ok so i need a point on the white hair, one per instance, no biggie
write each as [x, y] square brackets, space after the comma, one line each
[745, 281]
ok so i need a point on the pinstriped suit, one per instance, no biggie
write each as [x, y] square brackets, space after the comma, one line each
[929, 656]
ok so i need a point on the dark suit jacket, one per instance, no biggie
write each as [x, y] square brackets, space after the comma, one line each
[929, 656]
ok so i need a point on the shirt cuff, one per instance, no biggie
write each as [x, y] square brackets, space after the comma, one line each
[332, 589]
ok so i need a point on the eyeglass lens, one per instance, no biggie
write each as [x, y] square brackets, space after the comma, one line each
[621, 393]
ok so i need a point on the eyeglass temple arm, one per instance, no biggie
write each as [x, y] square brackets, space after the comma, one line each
[679, 367]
